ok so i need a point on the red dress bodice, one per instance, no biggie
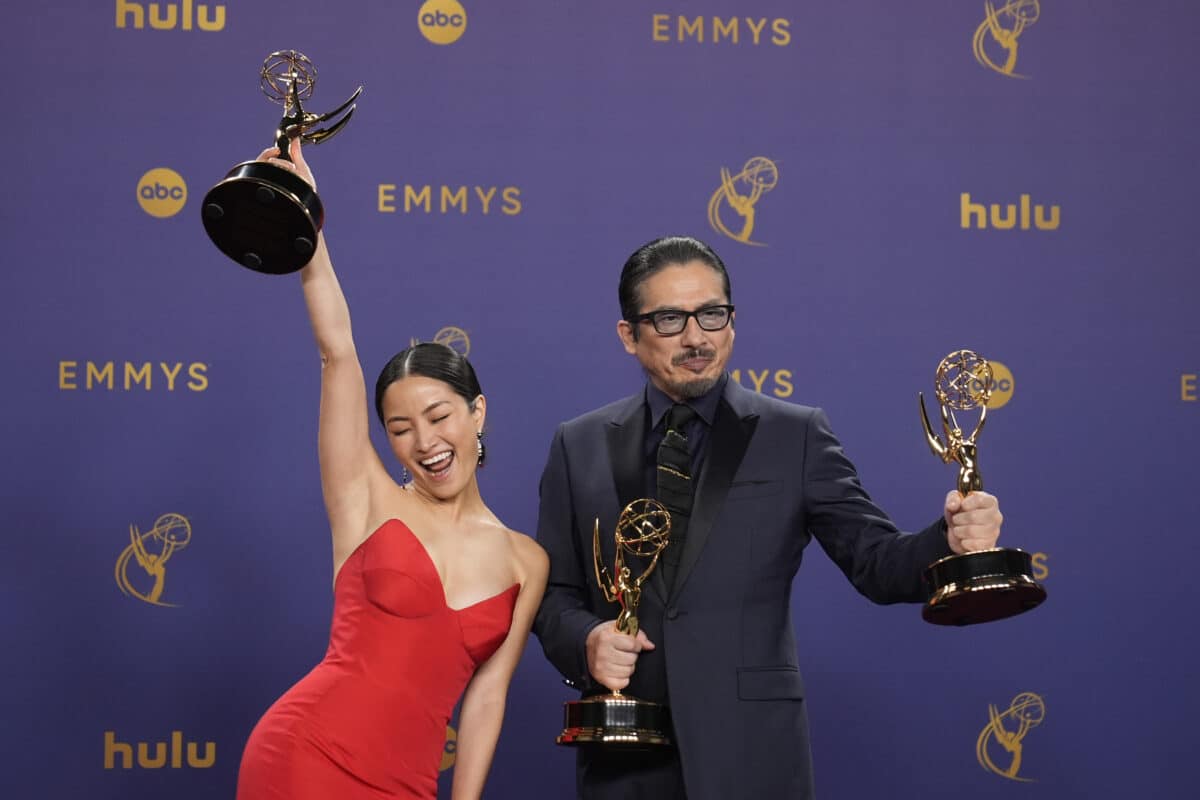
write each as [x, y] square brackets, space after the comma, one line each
[370, 720]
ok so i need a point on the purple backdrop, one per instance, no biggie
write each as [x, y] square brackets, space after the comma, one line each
[146, 375]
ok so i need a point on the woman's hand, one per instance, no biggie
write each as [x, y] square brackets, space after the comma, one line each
[297, 165]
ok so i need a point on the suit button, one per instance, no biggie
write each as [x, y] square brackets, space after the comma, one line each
[672, 612]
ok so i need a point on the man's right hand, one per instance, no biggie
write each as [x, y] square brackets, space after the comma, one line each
[612, 656]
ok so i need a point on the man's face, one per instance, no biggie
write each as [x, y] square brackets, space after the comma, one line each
[689, 363]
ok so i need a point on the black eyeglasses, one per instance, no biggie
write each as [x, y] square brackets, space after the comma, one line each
[672, 321]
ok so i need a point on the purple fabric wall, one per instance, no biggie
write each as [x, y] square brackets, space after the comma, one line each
[576, 132]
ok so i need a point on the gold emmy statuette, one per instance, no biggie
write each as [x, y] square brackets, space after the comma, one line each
[262, 216]
[616, 719]
[988, 584]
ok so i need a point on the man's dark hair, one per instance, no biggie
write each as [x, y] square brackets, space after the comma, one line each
[653, 256]
[430, 360]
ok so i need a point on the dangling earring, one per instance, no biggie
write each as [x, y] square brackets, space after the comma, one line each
[480, 448]
[404, 477]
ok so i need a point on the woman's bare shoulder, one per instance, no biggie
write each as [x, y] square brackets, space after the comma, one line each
[530, 557]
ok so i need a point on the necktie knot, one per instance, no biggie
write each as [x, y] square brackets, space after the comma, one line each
[678, 416]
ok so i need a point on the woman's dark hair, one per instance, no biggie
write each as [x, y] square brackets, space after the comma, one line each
[653, 256]
[430, 360]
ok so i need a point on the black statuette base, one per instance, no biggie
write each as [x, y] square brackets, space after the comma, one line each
[615, 720]
[981, 587]
[264, 217]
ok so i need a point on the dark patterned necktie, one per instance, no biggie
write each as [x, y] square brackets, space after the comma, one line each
[674, 483]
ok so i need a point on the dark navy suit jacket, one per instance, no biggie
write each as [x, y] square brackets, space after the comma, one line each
[774, 478]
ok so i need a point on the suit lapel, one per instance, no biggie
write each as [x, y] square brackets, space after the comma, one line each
[626, 434]
[729, 438]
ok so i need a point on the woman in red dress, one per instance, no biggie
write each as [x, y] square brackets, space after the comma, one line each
[433, 595]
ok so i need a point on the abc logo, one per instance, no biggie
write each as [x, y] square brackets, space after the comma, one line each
[162, 192]
[450, 750]
[442, 21]
[1002, 385]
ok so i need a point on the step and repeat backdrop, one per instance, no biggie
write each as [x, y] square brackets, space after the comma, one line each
[887, 182]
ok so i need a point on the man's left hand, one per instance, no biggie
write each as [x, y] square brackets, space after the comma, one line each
[972, 522]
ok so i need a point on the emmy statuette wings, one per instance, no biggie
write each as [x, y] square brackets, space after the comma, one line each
[616, 719]
[262, 216]
[988, 584]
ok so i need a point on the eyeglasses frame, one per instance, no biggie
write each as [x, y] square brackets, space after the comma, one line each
[649, 317]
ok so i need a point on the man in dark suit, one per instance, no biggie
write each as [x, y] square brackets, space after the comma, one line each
[753, 480]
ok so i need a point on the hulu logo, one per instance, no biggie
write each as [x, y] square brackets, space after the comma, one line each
[168, 16]
[1007, 216]
[156, 755]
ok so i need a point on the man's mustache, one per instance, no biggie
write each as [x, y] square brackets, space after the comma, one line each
[692, 352]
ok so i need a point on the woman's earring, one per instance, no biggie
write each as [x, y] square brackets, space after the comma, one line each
[404, 476]
[480, 448]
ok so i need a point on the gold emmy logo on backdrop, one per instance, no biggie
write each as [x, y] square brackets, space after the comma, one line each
[1008, 730]
[162, 192]
[442, 21]
[453, 337]
[1002, 28]
[741, 193]
[151, 550]
[643, 531]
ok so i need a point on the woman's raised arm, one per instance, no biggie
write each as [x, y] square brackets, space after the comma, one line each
[350, 467]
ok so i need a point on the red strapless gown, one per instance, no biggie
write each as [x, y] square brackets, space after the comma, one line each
[370, 720]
